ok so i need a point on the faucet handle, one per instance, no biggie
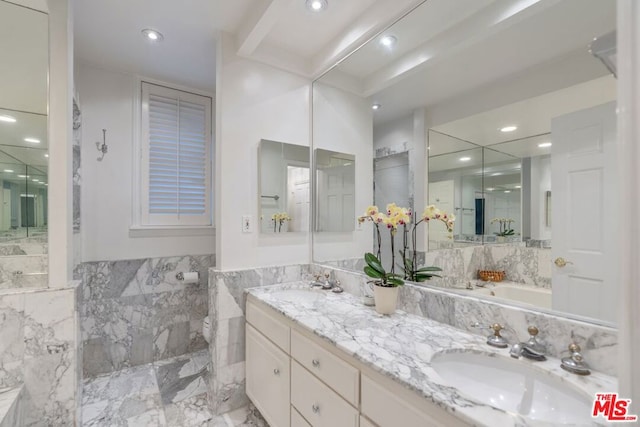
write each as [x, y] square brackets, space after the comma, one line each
[497, 340]
[575, 363]
[533, 331]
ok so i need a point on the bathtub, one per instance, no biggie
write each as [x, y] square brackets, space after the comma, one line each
[539, 297]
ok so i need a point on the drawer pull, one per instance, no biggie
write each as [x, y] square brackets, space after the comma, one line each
[315, 409]
[276, 371]
[315, 362]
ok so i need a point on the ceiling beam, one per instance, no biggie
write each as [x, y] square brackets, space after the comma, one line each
[259, 24]
[463, 35]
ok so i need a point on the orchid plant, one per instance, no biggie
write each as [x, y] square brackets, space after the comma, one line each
[394, 218]
[278, 219]
[505, 226]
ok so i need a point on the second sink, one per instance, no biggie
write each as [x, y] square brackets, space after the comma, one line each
[514, 386]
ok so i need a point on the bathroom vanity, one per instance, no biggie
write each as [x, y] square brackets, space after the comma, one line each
[314, 358]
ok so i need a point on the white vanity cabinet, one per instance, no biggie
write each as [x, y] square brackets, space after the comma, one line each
[319, 386]
[268, 378]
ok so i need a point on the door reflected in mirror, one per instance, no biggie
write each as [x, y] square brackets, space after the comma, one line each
[335, 191]
[284, 187]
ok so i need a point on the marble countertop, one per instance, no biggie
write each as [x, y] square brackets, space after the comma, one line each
[402, 345]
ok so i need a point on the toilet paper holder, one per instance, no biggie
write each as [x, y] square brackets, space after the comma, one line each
[180, 275]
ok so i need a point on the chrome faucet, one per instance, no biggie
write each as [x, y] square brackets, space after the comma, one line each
[575, 363]
[495, 340]
[327, 283]
[532, 349]
[316, 283]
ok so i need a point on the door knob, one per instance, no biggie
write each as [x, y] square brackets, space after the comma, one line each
[561, 262]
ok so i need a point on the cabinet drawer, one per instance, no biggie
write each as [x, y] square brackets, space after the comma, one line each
[335, 372]
[297, 420]
[268, 378]
[271, 327]
[386, 408]
[317, 403]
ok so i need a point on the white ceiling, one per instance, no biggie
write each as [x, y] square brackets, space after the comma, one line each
[282, 33]
[532, 116]
[538, 45]
[108, 34]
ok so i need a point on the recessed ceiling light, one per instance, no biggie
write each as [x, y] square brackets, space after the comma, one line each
[490, 189]
[8, 171]
[508, 128]
[32, 140]
[507, 191]
[23, 176]
[35, 180]
[46, 155]
[464, 159]
[518, 186]
[496, 174]
[152, 35]
[388, 41]
[317, 5]
[376, 106]
[7, 119]
[544, 145]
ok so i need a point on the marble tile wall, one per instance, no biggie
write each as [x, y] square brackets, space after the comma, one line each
[134, 312]
[38, 349]
[227, 316]
[599, 343]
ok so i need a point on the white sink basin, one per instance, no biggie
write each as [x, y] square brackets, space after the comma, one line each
[298, 295]
[514, 386]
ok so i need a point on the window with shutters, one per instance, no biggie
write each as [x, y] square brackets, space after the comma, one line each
[175, 158]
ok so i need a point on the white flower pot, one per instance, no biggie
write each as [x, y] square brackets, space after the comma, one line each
[386, 299]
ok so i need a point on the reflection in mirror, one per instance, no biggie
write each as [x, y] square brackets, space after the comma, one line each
[518, 122]
[335, 191]
[283, 187]
[23, 146]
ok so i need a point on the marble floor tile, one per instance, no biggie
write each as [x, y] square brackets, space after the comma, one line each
[191, 412]
[168, 393]
[129, 397]
[247, 416]
[182, 377]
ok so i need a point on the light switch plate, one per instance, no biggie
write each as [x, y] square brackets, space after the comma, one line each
[247, 224]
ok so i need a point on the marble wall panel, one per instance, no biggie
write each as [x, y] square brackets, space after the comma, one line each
[599, 342]
[39, 350]
[136, 311]
[227, 317]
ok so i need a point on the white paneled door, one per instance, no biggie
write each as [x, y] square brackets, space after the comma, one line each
[584, 198]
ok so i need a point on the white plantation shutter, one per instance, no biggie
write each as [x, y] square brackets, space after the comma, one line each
[176, 154]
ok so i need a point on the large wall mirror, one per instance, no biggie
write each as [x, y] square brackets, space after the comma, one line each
[284, 187]
[23, 146]
[492, 111]
[335, 191]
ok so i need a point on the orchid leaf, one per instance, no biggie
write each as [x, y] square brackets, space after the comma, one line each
[373, 262]
[371, 272]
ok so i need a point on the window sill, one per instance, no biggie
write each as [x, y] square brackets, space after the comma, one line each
[185, 231]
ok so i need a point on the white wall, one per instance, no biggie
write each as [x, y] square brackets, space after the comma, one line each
[343, 122]
[60, 143]
[106, 201]
[411, 132]
[254, 101]
[393, 133]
